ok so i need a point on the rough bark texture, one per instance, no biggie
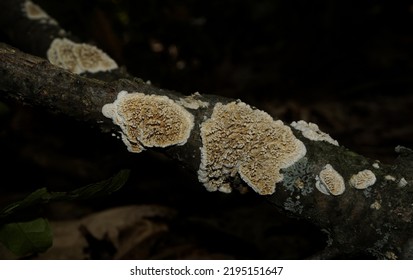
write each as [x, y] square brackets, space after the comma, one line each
[377, 219]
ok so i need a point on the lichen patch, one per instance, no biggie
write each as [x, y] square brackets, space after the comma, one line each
[312, 132]
[329, 181]
[238, 139]
[363, 179]
[149, 120]
[79, 58]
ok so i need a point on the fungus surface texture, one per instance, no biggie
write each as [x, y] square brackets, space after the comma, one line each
[149, 120]
[329, 181]
[312, 132]
[238, 139]
[79, 58]
[363, 179]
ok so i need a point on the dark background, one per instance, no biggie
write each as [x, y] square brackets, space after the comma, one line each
[345, 65]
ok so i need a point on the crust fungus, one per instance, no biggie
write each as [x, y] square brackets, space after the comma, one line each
[238, 139]
[34, 12]
[149, 120]
[193, 102]
[329, 181]
[312, 132]
[363, 179]
[79, 58]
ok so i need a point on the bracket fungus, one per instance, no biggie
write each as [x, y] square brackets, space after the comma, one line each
[79, 58]
[363, 179]
[238, 139]
[312, 132]
[329, 181]
[149, 120]
[34, 12]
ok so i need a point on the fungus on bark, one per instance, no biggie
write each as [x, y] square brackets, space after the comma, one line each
[34, 12]
[79, 58]
[312, 132]
[238, 139]
[329, 181]
[363, 179]
[193, 101]
[149, 120]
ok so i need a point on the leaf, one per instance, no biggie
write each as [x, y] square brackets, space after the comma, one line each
[43, 196]
[28, 237]
[105, 187]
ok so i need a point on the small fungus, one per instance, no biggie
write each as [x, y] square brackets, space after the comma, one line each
[329, 181]
[375, 205]
[193, 102]
[79, 58]
[376, 165]
[402, 183]
[238, 139]
[312, 132]
[34, 12]
[363, 179]
[149, 120]
[390, 178]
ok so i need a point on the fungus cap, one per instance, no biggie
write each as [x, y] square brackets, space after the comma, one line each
[329, 181]
[149, 120]
[238, 139]
[79, 58]
[312, 132]
[363, 179]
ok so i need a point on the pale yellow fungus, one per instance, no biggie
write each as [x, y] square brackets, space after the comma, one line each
[238, 139]
[149, 120]
[193, 102]
[35, 12]
[363, 179]
[79, 58]
[329, 181]
[312, 132]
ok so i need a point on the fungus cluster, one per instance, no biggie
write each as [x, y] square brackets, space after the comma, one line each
[238, 139]
[312, 132]
[79, 58]
[363, 179]
[149, 120]
[329, 181]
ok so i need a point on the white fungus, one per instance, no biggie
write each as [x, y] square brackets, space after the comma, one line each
[193, 102]
[79, 58]
[329, 181]
[402, 183]
[376, 165]
[375, 205]
[390, 178]
[312, 132]
[363, 179]
[35, 12]
[149, 120]
[238, 139]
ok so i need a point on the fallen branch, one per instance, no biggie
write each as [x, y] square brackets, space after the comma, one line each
[363, 205]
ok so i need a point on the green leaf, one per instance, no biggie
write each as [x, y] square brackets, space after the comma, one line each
[25, 238]
[105, 187]
[43, 196]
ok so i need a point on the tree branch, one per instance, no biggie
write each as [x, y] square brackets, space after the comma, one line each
[361, 204]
